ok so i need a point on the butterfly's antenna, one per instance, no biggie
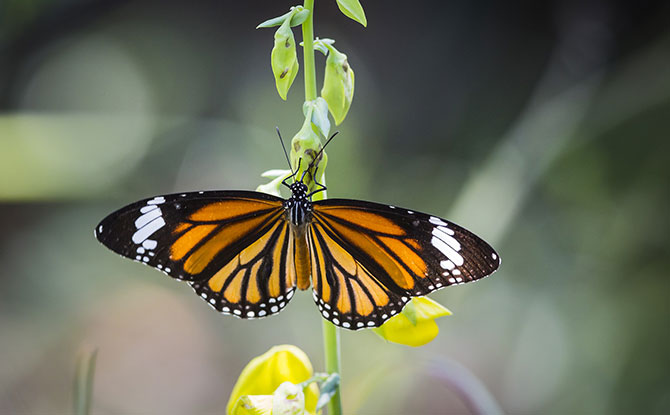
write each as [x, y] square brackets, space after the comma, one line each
[317, 155]
[285, 152]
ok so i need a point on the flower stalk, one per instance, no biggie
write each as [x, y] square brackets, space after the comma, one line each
[331, 337]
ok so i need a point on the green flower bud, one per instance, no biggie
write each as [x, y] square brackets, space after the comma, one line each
[338, 85]
[284, 58]
[319, 114]
[305, 145]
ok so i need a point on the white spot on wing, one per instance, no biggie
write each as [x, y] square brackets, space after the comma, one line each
[141, 234]
[441, 233]
[447, 250]
[147, 217]
[446, 264]
[149, 244]
[156, 200]
[437, 221]
[148, 208]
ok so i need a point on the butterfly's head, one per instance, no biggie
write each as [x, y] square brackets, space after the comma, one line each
[299, 190]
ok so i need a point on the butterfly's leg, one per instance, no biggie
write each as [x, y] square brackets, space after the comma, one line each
[292, 175]
[321, 187]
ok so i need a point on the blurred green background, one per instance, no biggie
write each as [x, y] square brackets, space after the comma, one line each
[541, 126]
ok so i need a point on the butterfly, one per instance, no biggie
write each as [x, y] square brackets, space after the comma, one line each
[245, 253]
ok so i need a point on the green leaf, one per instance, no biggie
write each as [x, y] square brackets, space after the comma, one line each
[300, 17]
[321, 45]
[319, 115]
[338, 84]
[284, 59]
[328, 388]
[353, 10]
[299, 13]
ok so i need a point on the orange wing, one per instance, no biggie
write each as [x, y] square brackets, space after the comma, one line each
[231, 246]
[369, 259]
[345, 291]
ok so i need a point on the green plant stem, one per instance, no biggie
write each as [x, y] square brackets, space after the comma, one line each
[331, 337]
[308, 52]
[331, 345]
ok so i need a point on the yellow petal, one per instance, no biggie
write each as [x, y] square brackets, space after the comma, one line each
[415, 325]
[264, 374]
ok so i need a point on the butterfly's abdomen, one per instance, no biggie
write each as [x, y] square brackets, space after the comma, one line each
[301, 259]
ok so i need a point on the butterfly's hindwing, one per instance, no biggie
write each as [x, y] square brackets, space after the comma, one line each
[346, 293]
[257, 282]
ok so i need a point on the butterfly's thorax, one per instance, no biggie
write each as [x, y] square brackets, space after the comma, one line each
[298, 210]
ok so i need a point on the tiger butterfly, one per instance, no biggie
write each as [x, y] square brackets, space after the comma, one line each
[245, 253]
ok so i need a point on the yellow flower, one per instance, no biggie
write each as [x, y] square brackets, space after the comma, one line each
[264, 375]
[415, 325]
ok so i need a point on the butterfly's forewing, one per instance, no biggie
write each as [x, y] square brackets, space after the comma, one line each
[370, 258]
[231, 246]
